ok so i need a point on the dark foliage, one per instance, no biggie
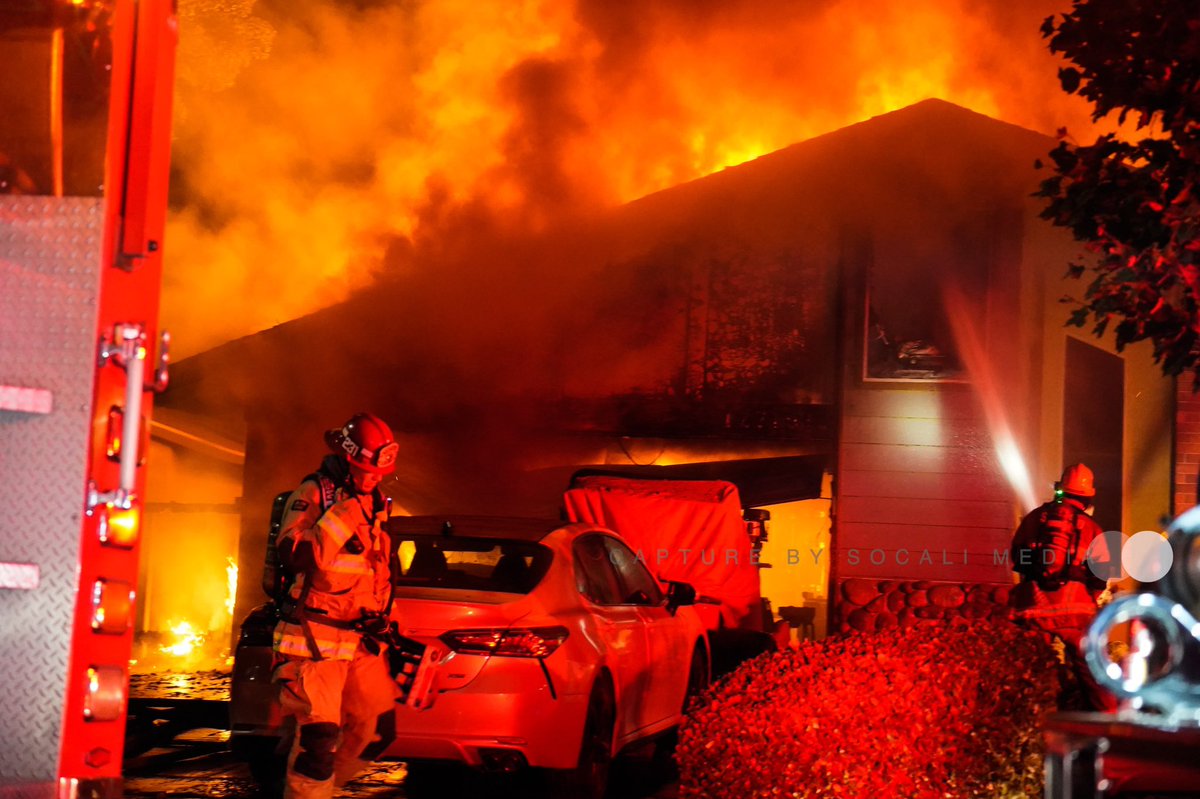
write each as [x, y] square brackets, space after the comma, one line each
[1134, 204]
[935, 711]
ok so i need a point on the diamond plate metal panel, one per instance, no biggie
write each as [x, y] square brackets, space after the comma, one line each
[50, 261]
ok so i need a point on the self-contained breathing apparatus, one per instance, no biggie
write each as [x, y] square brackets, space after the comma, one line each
[1049, 557]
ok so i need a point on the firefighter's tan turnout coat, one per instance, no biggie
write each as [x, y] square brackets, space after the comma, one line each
[349, 579]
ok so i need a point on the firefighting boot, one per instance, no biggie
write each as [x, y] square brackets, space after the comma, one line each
[311, 764]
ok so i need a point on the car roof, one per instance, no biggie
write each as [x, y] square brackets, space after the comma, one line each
[498, 527]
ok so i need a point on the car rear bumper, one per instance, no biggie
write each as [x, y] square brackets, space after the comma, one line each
[497, 711]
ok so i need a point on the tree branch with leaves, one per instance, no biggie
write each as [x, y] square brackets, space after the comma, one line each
[1133, 204]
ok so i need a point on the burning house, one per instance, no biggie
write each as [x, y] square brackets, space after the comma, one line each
[862, 330]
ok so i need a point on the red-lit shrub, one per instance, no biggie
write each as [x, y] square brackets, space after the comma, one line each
[936, 710]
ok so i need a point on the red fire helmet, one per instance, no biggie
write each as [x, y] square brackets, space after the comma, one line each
[1078, 481]
[367, 442]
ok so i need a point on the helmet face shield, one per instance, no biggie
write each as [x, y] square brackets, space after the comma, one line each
[385, 458]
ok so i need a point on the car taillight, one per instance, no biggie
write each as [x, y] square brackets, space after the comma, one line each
[537, 642]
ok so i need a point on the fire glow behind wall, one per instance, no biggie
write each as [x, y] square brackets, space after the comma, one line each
[318, 143]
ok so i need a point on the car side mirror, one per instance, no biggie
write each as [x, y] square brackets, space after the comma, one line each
[678, 595]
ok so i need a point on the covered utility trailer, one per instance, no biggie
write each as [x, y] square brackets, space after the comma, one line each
[689, 531]
[84, 146]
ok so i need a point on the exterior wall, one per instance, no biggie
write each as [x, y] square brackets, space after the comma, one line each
[1148, 396]
[866, 604]
[918, 464]
[1187, 444]
[277, 457]
[920, 494]
[1149, 428]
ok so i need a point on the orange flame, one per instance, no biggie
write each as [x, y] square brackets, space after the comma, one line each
[187, 640]
[231, 574]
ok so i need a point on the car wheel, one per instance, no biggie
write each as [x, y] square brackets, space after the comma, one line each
[589, 779]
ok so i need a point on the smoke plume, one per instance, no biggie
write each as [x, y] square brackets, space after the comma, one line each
[322, 145]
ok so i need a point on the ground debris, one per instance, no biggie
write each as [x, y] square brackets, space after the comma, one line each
[206, 685]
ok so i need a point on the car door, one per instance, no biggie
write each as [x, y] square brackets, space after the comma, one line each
[667, 653]
[619, 625]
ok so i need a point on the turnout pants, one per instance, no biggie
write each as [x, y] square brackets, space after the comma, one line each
[345, 716]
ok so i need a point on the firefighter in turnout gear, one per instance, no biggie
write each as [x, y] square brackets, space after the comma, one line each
[1057, 551]
[332, 675]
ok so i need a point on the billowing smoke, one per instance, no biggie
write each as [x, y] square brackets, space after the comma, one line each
[321, 145]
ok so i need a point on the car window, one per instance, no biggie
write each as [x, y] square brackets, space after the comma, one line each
[638, 586]
[594, 574]
[471, 564]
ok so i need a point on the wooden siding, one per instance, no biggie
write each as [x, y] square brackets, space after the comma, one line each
[920, 494]
[967, 514]
[918, 458]
[912, 483]
[917, 537]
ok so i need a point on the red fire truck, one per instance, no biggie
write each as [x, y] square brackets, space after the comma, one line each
[85, 88]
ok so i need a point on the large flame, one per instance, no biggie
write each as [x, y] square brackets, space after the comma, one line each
[193, 642]
[231, 578]
[315, 139]
[187, 639]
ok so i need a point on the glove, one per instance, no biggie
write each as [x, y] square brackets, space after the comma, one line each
[1106, 596]
[374, 625]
